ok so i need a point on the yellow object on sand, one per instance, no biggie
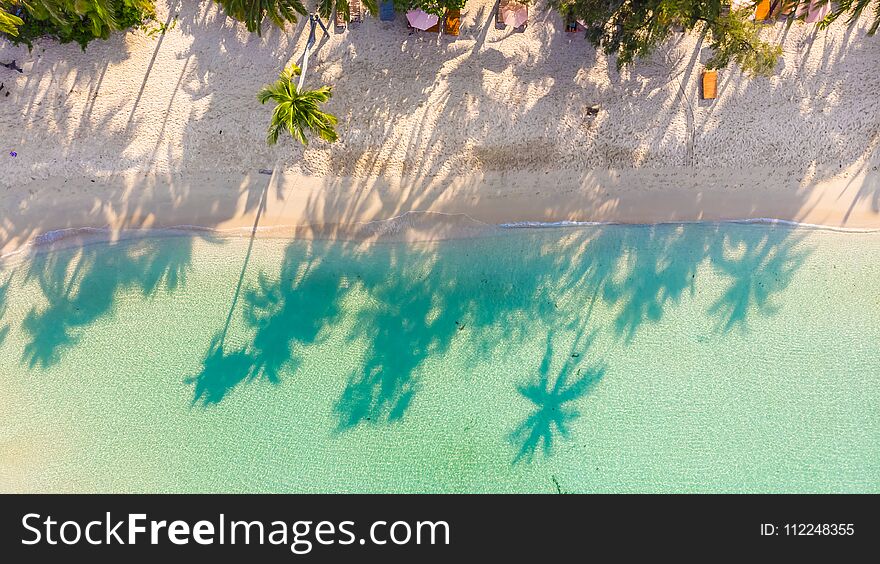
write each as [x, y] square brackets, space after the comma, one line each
[710, 85]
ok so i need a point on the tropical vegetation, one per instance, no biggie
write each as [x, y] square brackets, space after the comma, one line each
[9, 23]
[254, 12]
[298, 111]
[80, 21]
[436, 7]
[630, 29]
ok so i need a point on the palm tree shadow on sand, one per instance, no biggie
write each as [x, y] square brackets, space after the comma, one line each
[554, 400]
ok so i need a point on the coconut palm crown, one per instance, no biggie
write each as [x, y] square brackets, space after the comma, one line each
[298, 111]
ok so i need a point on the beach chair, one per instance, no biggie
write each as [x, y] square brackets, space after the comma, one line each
[762, 11]
[452, 22]
[710, 85]
[356, 11]
[340, 18]
[386, 11]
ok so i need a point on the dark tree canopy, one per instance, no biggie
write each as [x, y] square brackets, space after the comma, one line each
[630, 29]
[633, 28]
[254, 12]
[436, 7]
[79, 21]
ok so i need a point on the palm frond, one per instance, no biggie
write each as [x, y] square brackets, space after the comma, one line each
[298, 112]
[9, 22]
[254, 12]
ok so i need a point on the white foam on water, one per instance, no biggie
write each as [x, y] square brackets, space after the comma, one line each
[459, 225]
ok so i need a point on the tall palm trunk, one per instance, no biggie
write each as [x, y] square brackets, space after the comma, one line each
[313, 21]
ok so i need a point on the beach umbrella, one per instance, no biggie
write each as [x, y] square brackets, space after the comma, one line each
[514, 14]
[420, 19]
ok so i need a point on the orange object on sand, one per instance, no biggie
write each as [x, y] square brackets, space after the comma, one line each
[710, 85]
[762, 11]
[452, 22]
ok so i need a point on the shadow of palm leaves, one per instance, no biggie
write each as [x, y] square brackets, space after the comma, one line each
[653, 272]
[554, 405]
[82, 287]
[221, 371]
[402, 333]
[292, 312]
[760, 264]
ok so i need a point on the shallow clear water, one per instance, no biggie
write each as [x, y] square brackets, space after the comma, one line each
[731, 358]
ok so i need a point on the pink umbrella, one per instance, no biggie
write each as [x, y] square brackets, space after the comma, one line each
[815, 10]
[421, 20]
[514, 14]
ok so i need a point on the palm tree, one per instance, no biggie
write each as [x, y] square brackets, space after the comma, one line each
[298, 110]
[253, 12]
[9, 22]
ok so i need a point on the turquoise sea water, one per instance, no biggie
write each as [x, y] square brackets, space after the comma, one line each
[694, 358]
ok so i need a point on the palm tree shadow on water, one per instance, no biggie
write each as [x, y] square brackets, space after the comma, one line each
[414, 316]
[81, 286]
[286, 314]
[759, 265]
[554, 401]
[223, 370]
[414, 304]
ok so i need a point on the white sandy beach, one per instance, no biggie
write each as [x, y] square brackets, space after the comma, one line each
[146, 131]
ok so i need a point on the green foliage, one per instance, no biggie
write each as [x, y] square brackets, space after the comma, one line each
[631, 29]
[735, 37]
[436, 7]
[160, 28]
[80, 21]
[254, 12]
[9, 22]
[297, 111]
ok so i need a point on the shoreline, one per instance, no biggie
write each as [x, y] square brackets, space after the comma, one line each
[290, 205]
